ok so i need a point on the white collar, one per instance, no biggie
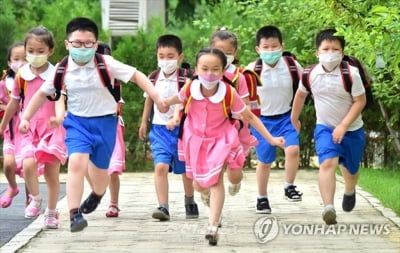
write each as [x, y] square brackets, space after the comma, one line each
[195, 91]
[26, 72]
[73, 66]
[280, 64]
[161, 76]
[319, 70]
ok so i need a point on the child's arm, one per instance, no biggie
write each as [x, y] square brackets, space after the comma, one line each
[259, 126]
[175, 119]
[57, 120]
[355, 111]
[148, 104]
[33, 106]
[173, 100]
[9, 112]
[146, 85]
[297, 107]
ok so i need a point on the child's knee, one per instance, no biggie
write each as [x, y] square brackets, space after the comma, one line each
[235, 176]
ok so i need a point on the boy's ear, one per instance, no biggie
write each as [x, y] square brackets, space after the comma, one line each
[257, 49]
[180, 57]
[66, 44]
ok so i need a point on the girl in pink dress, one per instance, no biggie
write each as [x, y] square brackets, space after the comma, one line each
[210, 142]
[227, 42]
[42, 143]
[11, 161]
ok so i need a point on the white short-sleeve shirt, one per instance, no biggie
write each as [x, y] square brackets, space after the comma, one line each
[332, 101]
[276, 94]
[166, 87]
[87, 96]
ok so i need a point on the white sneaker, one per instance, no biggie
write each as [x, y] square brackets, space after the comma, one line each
[234, 189]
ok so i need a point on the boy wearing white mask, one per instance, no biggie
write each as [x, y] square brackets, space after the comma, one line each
[339, 134]
[164, 132]
[276, 96]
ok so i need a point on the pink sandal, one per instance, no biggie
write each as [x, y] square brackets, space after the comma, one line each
[7, 198]
[113, 211]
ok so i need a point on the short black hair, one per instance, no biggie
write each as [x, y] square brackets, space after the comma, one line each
[169, 40]
[267, 32]
[213, 51]
[329, 34]
[82, 24]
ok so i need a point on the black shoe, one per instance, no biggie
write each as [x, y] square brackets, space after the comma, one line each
[91, 203]
[78, 223]
[349, 201]
[263, 206]
[291, 194]
[161, 213]
[192, 212]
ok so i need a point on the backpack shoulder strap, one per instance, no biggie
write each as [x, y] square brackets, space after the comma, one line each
[58, 80]
[258, 66]
[305, 77]
[22, 86]
[154, 76]
[228, 100]
[183, 75]
[105, 76]
[294, 73]
[346, 77]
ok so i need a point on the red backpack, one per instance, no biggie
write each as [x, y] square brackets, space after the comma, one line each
[346, 77]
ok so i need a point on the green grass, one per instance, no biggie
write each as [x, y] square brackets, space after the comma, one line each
[384, 184]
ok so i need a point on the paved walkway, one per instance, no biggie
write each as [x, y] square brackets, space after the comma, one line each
[292, 227]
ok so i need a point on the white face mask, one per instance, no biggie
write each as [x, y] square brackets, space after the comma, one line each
[229, 59]
[168, 66]
[36, 61]
[330, 60]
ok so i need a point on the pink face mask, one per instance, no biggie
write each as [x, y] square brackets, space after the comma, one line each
[209, 80]
[15, 66]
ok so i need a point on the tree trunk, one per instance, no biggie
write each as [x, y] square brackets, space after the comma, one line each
[393, 133]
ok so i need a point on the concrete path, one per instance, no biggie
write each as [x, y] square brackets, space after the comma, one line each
[292, 227]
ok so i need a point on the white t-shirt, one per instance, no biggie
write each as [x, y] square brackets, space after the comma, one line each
[87, 96]
[276, 94]
[332, 101]
[166, 87]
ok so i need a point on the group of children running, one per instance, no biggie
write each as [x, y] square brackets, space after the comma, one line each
[199, 122]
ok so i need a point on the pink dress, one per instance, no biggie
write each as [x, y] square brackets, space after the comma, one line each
[209, 139]
[246, 138]
[9, 134]
[117, 163]
[42, 142]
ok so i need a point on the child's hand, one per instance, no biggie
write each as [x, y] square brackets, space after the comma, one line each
[278, 141]
[338, 133]
[54, 122]
[143, 131]
[23, 126]
[172, 123]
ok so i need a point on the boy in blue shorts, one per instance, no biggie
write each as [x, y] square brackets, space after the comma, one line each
[276, 96]
[339, 134]
[92, 118]
[164, 132]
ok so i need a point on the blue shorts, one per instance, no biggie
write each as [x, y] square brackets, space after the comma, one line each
[164, 148]
[277, 126]
[349, 151]
[94, 136]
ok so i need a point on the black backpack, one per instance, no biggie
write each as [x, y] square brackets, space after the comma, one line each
[346, 77]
